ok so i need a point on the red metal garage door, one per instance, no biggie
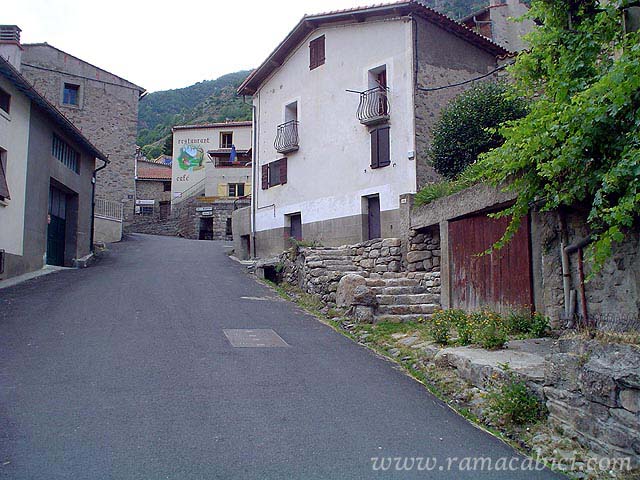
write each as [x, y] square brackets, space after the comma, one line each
[498, 281]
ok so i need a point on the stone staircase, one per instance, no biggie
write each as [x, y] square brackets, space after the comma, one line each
[404, 297]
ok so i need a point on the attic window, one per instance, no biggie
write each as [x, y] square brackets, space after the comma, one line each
[316, 52]
[70, 94]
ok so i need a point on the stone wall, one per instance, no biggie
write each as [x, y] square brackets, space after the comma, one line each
[184, 220]
[317, 270]
[592, 392]
[423, 250]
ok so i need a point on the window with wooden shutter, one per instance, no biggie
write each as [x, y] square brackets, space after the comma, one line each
[265, 177]
[380, 152]
[316, 52]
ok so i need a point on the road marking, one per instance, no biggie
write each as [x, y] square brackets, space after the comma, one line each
[248, 338]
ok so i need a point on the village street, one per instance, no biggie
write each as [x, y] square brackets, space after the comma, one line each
[123, 371]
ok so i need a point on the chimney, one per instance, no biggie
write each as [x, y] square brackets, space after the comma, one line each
[10, 48]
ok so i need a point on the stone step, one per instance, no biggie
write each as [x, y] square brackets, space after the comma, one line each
[393, 282]
[337, 253]
[400, 318]
[407, 309]
[339, 262]
[399, 290]
[409, 299]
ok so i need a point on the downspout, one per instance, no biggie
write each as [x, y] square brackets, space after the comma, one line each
[93, 200]
[254, 175]
[566, 273]
[579, 247]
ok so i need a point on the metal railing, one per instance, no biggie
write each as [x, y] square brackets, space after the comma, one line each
[224, 162]
[190, 192]
[287, 137]
[374, 106]
[108, 209]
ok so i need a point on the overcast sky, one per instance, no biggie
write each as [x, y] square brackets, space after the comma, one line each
[164, 45]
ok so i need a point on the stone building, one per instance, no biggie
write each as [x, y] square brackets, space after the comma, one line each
[497, 22]
[153, 188]
[102, 105]
[46, 171]
[344, 109]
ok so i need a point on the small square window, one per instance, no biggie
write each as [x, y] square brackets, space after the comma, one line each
[71, 94]
[5, 101]
[236, 189]
[167, 187]
[226, 139]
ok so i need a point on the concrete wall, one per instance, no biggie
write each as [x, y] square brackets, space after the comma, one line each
[107, 230]
[218, 179]
[439, 66]
[14, 139]
[241, 225]
[107, 114]
[330, 173]
[200, 140]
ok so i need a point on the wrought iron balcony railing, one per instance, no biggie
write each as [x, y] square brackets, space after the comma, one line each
[287, 137]
[374, 106]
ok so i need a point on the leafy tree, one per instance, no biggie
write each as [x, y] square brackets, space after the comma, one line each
[580, 142]
[168, 146]
[466, 127]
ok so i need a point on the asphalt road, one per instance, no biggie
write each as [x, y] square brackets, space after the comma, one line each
[122, 371]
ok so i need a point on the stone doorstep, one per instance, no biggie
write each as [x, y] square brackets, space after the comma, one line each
[478, 366]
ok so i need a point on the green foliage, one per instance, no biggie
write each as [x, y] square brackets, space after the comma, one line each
[434, 191]
[439, 326]
[490, 329]
[167, 148]
[512, 403]
[463, 325]
[580, 142]
[204, 102]
[152, 151]
[466, 127]
[523, 322]
[456, 8]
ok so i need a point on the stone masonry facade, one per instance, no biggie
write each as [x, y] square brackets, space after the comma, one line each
[423, 250]
[107, 114]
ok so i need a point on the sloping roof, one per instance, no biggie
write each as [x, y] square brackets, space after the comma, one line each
[309, 23]
[23, 85]
[213, 125]
[45, 44]
[149, 170]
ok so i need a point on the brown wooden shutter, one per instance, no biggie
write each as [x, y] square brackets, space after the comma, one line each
[384, 154]
[4, 188]
[374, 149]
[283, 170]
[320, 57]
[265, 177]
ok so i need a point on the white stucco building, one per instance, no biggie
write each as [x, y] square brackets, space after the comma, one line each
[341, 125]
[203, 162]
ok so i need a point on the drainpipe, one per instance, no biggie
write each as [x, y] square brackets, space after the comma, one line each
[254, 177]
[566, 273]
[93, 200]
[579, 247]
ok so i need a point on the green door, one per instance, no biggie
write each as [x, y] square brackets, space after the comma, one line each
[57, 227]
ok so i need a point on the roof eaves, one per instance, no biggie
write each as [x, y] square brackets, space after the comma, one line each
[309, 23]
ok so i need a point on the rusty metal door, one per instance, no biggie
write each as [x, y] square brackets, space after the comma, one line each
[499, 281]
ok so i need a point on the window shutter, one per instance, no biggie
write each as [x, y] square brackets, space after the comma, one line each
[384, 154]
[222, 190]
[283, 170]
[265, 177]
[4, 188]
[374, 149]
[320, 54]
[312, 56]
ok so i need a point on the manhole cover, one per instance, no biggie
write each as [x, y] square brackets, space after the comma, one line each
[264, 337]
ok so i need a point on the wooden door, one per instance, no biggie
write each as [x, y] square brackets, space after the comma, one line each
[56, 237]
[373, 217]
[500, 280]
[295, 230]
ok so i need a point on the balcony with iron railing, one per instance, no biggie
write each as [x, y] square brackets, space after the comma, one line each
[287, 137]
[225, 162]
[374, 106]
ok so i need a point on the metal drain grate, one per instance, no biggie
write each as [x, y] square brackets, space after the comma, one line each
[257, 338]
